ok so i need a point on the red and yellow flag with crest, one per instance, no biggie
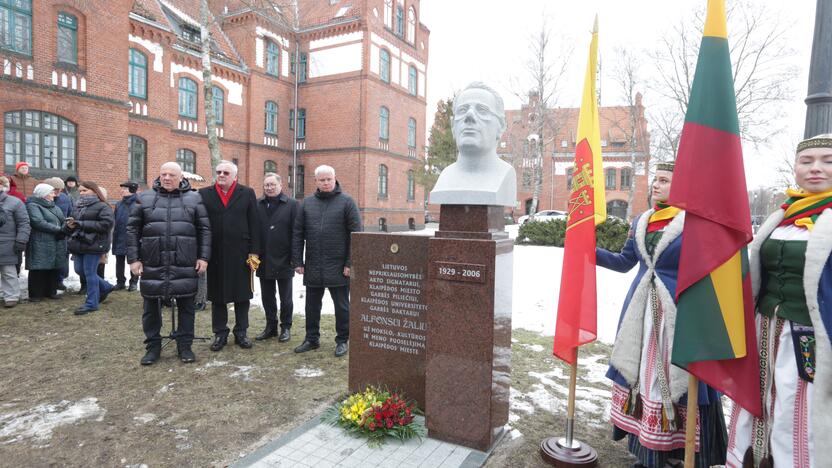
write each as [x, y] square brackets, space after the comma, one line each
[577, 307]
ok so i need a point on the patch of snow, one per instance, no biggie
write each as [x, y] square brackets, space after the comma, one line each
[243, 373]
[38, 423]
[514, 434]
[535, 347]
[165, 388]
[308, 372]
[144, 418]
[211, 365]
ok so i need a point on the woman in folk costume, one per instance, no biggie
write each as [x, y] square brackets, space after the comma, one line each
[649, 394]
[791, 274]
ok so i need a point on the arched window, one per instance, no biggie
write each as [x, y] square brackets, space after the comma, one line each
[16, 26]
[217, 98]
[610, 178]
[388, 13]
[411, 25]
[271, 118]
[187, 98]
[412, 80]
[269, 166]
[41, 139]
[187, 159]
[411, 185]
[384, 123]
[67, 38]
[137, 147]
[272, 58]
[399, 29]
[626, 178]
[137, 77]
[382, 181]
[384, 64]
[411, 132]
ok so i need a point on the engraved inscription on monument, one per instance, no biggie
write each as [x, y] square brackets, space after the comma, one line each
[388, 312]
[394, 320]
[453, 271]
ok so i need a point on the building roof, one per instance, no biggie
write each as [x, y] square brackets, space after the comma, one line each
[182, 17]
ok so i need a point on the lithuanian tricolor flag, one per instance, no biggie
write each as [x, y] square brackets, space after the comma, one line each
[577, 308]
[715, 335]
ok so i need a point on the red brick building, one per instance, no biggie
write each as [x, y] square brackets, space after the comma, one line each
[620, 142]
[109, 97]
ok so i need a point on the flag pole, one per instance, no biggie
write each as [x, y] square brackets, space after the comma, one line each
[690, 424]
[570, 406]
[567, 452]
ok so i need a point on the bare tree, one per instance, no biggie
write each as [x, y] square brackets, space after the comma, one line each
[206, 20]
[762, 73]
[543, 71]
[625, 74]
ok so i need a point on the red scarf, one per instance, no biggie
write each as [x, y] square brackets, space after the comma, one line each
[224, 197]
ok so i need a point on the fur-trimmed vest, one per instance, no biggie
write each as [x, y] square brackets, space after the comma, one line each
[664, 266]
[817, 286]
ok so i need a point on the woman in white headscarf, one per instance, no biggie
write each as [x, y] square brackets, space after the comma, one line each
[46, 252]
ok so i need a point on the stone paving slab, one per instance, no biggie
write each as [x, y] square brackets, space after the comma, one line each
[319, 445]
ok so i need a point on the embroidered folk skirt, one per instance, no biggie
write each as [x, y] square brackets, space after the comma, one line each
[787, 405]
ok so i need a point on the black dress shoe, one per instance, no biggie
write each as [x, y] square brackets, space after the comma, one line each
[83, 310]
[307, 346]
[219, 342]
[103, 296]
[119, 286]
[243, 341]
[35, 299]
[285, 335]
[61, 286]
[341, 349]
[151, 356]
[269, 332]
[186, 355]
[132, 287]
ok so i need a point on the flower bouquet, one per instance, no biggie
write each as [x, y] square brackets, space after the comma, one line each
[376, 414]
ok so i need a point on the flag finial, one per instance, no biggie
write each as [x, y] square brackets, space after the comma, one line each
[715, 21]
[595, 25]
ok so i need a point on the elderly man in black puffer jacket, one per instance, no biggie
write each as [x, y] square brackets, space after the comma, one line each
[168, 246]
[324, 223]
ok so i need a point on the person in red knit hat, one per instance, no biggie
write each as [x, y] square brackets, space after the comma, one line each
[25, 183]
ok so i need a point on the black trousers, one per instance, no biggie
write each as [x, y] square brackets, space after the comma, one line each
[287, 307]
[121, 260]
[152, 321]
[219, 318]
[43, 283]
[341, 298]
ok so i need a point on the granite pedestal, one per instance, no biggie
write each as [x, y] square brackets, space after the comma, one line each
[469, 326]
[388, 313]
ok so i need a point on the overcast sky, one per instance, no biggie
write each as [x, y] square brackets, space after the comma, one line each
[488, 40]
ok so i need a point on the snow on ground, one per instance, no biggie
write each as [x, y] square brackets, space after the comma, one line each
[38, 422]
[308, 372]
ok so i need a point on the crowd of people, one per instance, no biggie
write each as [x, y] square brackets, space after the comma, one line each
[172, 237]
[171, 234]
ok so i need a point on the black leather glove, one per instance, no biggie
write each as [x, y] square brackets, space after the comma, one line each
[19, 246]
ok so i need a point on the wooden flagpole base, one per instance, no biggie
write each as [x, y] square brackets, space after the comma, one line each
[556, 452]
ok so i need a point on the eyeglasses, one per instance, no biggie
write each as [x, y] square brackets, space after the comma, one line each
[482, 111]
[223, 172]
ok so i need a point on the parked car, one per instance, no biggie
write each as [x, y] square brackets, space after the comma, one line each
[544, 215]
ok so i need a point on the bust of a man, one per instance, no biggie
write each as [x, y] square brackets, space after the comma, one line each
[479, 176]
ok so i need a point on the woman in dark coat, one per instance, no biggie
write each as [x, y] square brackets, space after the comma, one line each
[46, 251]
[89, 229]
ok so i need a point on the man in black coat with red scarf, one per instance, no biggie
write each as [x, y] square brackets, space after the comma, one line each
[235, 252]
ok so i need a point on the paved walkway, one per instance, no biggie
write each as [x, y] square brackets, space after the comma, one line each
[320, 445]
